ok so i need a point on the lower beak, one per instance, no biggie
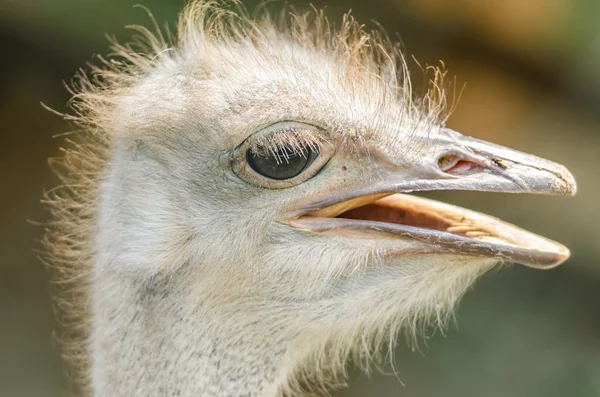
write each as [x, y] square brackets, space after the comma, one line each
[448, 161]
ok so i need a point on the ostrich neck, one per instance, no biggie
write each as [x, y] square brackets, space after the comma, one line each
[148, 340]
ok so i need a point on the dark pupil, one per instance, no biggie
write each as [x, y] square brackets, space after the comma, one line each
[285, 164]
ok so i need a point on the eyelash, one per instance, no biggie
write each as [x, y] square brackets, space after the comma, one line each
[275, 144]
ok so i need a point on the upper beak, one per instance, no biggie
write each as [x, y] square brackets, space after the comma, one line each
[445, 161]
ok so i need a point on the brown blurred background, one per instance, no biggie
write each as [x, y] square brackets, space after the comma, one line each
[532, 75]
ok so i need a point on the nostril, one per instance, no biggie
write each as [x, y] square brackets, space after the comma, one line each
[448, 161]
[456, 165]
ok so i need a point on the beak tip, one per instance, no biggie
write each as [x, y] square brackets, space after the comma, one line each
[567, 185]
[561, 255]
[573, 186]
[552, 260]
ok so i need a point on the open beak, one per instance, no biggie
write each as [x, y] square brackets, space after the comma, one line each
[447, 161]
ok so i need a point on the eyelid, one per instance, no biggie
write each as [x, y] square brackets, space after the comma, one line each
[283, 127]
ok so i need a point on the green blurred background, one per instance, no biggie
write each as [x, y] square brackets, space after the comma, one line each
[532, 75]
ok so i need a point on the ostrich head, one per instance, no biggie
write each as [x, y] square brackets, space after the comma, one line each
[235, 213]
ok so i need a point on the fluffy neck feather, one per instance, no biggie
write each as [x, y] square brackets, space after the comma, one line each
[162, 336]
[147, 339]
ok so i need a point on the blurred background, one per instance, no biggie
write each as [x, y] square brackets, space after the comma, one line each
[531, 76]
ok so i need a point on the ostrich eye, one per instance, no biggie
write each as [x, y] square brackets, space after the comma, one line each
[282, 155]
[286, 163]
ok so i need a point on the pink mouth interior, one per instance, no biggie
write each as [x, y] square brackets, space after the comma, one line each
[377, 211]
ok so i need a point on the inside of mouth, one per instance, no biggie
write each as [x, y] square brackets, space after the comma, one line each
[414, 211]
[378, 212]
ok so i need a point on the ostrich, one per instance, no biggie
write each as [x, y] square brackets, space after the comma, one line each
[233, 218]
